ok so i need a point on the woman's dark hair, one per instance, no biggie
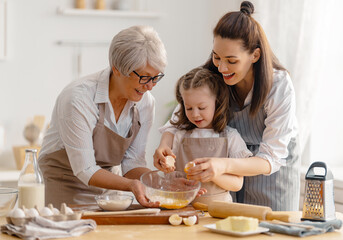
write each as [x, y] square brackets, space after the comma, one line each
[199, 77]
[241, 26]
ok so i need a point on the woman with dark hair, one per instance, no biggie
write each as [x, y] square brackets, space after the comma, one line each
[262, 101]
[203, 132]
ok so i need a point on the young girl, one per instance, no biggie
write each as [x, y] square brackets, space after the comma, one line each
[202, 131]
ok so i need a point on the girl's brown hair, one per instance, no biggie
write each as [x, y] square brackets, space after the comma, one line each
[196, 78]
[241, 26]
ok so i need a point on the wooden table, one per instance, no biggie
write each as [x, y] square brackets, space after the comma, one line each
[166, 232]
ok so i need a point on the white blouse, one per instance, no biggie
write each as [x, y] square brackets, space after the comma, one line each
[279, 121]
[75, 116]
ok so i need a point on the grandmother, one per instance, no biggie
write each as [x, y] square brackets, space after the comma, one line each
[100, 124]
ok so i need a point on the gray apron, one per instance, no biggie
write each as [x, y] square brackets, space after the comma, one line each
[62, 186]
[191, 148]
[280, 190]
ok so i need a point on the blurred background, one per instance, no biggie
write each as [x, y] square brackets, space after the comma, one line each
[44, 45]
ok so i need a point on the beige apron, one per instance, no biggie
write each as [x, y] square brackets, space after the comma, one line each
[191, 148]
[61, 185]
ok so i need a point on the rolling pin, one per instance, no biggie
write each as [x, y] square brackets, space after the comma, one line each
[221, 209]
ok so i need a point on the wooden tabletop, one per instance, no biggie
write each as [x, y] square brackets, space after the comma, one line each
[167, 232]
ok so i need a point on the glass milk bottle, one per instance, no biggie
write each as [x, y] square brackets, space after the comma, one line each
[31, 184]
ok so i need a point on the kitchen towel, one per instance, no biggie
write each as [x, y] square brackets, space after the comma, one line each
[319, 227]
[42, 228]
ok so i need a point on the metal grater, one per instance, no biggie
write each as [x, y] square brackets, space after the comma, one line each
[319, 196]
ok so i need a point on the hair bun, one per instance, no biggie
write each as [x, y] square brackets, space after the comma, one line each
[247, 8]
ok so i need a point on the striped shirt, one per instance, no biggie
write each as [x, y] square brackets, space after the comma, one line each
[75, 116]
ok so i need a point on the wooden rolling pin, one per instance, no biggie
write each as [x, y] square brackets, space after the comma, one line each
[221, 209]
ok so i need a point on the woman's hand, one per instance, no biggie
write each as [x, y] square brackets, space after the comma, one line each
[160, 161]
[138, 190]
[202, 191]
[206, 169]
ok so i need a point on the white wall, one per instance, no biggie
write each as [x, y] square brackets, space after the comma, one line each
[37, 68]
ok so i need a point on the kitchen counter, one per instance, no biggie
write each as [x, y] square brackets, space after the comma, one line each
[166, 232]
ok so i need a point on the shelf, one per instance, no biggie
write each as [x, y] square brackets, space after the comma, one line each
[83, 43]
[106, 13]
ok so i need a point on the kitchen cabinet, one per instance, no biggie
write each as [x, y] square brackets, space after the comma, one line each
[167, 232]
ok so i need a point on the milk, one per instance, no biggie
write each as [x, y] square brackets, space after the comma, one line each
[31, 195]
[30, 183]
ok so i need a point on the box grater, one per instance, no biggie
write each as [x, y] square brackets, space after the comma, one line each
[319, 196]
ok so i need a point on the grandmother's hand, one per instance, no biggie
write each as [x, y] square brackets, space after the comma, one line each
[160, 161]
[206, 169]
[138, 189]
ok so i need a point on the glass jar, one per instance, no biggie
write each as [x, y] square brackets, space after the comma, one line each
[31, 183]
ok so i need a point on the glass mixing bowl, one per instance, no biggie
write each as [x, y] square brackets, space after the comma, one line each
[173, 190]
[114, 201]
[8, 198]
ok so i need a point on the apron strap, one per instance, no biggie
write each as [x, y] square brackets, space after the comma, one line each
[135, 115]
[101, 113]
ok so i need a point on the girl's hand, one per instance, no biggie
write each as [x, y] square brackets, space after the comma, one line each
[160, 161]
[137, 188]
[206, 169]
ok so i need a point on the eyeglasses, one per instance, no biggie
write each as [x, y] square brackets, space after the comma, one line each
[147, 79]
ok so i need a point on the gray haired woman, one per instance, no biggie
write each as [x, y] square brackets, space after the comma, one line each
[102, 121]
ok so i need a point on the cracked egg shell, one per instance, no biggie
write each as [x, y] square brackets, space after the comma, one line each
[190, 221]
[175, 220]
[170, 161]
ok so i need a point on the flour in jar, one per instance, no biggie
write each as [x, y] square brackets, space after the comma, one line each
[114, 205]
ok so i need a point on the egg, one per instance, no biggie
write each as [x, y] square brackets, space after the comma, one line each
[55, 211]
[170, 161]
[18, 213]
[175, 220]
[69, 210]
[188, 166]
[190, 221]
[32, 212]
[45, 211]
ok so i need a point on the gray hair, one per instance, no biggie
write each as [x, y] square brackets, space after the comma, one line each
[136, 47]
